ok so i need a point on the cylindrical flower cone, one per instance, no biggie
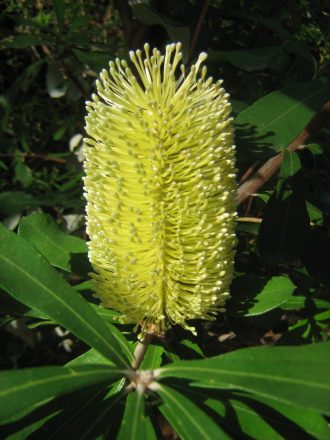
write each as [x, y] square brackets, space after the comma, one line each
[161, 190]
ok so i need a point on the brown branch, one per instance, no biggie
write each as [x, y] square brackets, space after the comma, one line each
[268, 169]
[141, 349]
[250, 219]
[249, 171]
[34, 155]
[199, 27]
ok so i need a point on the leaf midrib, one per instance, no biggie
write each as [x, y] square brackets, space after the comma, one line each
[198, 427]
[72, 374]
[282, 115]
[43, 235]
[219, 371]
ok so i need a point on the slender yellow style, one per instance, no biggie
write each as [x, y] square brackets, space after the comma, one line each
[161, 190]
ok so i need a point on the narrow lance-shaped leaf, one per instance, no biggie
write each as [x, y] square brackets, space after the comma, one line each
[27, 276]
[12, 307]
[90, 357]
[136, 424]
[59, 9]
[188, 420]
[106, 423]
[258, 418]
[294, 375]
[153, 357]
[85, 414]
[24, 390]
[61, 250]
[283, 418]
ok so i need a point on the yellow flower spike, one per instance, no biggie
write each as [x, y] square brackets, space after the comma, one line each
[161, 190]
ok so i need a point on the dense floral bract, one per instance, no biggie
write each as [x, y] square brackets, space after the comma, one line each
[160, 185]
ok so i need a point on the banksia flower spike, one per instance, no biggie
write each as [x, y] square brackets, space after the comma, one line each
[161, 190]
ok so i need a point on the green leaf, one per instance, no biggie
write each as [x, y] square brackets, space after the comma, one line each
[301, 302]
[24, 390]
[61, 250]
[18, 432]
[13, 307]
[99, 419]
[258, 418]
[291, 375]
[5, 111]
[255, 295]
[134, 425]
[59, 9]
[90, 357]
[304, 60]
[249, 227]
[27, 276]
[22, 41]
[13, 202]
[290, 165]
[274, 121]
[171, 354]
[250, 60]
[188, 420]
[315, 214]
[309, 328]
[274, 25]
[107, 315]
[315, 149]
[277, 415]
[188, 348]
[79, 22]
[24, 80]
[84, 413]
[153, 357]
[23, 173]
[183, 348]
[95, 60]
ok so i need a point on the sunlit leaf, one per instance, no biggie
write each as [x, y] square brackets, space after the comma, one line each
[27, 276]
[254, 295]
[135, 424]
[275, 120]
[61, 250]
[290, 375]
